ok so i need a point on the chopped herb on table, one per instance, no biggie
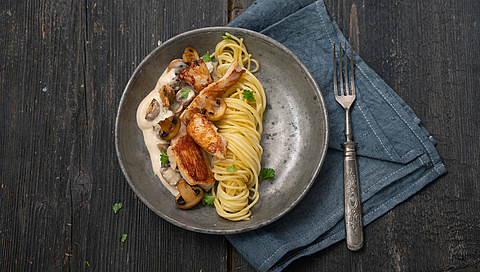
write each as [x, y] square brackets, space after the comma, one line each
[122, 238]
[117, 207]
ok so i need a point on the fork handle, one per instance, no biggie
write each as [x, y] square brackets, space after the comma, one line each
[352, 203]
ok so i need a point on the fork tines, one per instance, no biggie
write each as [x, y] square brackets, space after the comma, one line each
[352, 80]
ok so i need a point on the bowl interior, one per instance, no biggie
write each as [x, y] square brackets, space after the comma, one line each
[294, 139]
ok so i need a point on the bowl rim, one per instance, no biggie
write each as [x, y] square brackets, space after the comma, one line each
[267, 39]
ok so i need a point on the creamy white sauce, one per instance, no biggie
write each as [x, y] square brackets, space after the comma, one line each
[149, 134]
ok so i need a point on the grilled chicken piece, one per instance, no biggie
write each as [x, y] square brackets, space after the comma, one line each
[197, 75]
[205, 134]
[213, 90]
[192, 162]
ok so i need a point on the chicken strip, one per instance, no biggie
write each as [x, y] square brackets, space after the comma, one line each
[197, 75]
[192, 162]
[213, 90]
[205, 134]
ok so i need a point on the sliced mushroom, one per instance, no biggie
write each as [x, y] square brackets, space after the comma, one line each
[181, 102]
[170, 127]
[167, 95]
[178, 65]
[190, 55]
[171, 176]
[214, 108]
[189, 196]
[153, 110]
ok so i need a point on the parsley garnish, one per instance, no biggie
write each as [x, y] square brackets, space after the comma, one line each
[122, 238]
[267, 173]
[248, 95]
[226, 36]
[163, 157]
[232, 169]
[117, 207]
[185, 92]
[206, 57]
[208, 199]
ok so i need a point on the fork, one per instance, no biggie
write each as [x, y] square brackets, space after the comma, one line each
[352, 203]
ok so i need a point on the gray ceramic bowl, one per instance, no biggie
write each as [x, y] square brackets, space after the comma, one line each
[294, 139]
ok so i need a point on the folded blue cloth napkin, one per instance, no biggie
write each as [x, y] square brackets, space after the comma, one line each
[396, 155]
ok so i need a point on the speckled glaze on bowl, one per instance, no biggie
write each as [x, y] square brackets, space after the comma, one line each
[294, 139]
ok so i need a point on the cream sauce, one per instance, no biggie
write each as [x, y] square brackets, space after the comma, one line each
[149, 134]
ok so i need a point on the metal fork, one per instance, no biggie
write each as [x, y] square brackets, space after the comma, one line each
[352, 203]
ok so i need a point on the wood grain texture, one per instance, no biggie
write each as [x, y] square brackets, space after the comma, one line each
[64, 65]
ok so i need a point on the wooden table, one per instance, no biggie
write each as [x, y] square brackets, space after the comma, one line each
[65, 63]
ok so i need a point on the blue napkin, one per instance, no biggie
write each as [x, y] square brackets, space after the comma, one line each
[396, 155]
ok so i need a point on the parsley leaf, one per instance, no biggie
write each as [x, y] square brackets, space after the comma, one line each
[267, 173]
[225, 37]
[122, 238]
[248, 95]
[185, 92]
[206, 57]
[232, 169]
[163, 157]
[117, 207]
[208, 199]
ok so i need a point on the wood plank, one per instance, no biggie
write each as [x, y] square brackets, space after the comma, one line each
[41, 79]
[119, 35]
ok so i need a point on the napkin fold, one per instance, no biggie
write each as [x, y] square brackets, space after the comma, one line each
[396, 155]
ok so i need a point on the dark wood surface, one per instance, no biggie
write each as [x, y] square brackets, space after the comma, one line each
[65, 63]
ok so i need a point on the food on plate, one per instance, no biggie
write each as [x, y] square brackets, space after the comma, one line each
[191, 161]
[205, 134]
[202, 126]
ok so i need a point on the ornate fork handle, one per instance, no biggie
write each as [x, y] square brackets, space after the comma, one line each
[353, 205]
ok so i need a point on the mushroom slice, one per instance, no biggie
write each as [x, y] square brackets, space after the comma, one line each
[205, 134]
[189, 196]
[214, 108]
[153, 110]
[170, 127]
[190, 55]
[197, 75]
[178, 66]
[181, 102]
[167, 95]
[171, 176]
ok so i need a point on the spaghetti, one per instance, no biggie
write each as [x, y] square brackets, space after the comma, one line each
[237, 175]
